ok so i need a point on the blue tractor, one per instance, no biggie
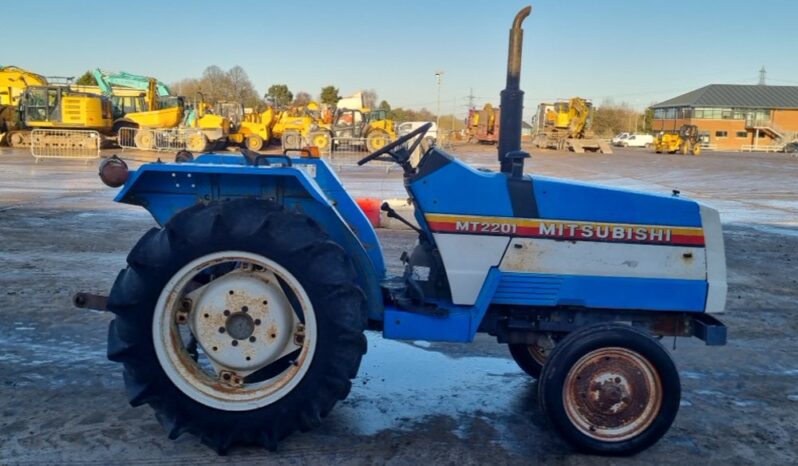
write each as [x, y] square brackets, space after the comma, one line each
[242, 317]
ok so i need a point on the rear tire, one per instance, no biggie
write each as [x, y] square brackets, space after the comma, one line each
[610, 389]
[291, 140]
[315, 265]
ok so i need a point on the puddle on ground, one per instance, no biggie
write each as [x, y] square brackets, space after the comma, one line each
[400, 384]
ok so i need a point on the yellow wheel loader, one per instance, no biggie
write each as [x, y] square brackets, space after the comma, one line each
[252, 130]
[356, 127]
[684, 141]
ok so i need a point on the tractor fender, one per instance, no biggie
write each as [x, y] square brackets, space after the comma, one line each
[165, 189]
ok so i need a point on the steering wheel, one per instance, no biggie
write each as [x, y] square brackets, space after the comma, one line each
[417, 133]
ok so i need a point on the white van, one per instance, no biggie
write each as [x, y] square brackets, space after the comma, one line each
[619, 138]
[638, 140]
[408, 126]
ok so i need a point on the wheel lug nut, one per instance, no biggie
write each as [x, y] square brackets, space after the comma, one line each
[252, 339]
[226, 312]
[221, 329]
[257, 321]
[244, 309]
[235, 342]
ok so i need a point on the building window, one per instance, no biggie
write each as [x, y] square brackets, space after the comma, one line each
[721, 134]
[742, 134]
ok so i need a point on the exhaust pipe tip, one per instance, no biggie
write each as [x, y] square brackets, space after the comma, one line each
[521, 16]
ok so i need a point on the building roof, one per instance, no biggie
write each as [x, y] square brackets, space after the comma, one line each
[736, 95]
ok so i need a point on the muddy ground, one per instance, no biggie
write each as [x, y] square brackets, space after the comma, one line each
[62, 402]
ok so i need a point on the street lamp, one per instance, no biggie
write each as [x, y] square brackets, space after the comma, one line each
[438, 75]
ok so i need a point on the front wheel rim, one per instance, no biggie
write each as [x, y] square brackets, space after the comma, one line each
[612, 394]
[251, 317]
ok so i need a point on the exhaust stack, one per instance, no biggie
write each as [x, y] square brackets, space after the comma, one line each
[512, 97]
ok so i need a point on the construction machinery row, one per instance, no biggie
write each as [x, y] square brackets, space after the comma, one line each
[141, 112]
[561, 125]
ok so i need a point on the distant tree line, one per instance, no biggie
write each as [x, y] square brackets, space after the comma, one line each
[216, 84]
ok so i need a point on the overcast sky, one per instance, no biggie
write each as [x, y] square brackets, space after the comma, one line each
[638, 52]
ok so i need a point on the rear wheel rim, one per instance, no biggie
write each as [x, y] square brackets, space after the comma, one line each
[612, 394]
[254, 317]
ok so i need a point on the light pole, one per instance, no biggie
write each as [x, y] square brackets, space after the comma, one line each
[438, 75]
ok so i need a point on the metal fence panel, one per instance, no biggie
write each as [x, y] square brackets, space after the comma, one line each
[65, 144]
[172, 139]
[126, 138]
[342, 147]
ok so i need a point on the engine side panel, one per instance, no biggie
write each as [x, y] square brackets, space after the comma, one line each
[587, 245]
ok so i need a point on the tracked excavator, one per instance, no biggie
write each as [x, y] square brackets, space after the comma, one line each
[13, 82]
[565, 125]
[61, 108]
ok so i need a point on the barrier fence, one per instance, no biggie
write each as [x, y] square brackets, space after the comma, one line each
[173, 139]
[762, 148]
[65, 144]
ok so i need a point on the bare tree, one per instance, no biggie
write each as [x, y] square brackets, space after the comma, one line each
[302, 98]
[217, 85]
[370, 98]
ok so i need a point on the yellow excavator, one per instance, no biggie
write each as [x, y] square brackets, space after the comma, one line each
[685, 141]
[13, 82]
[565, 125]
[59, 107]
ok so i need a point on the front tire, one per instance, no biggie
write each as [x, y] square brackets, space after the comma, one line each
[530, 358]
[610, 389]
[376, 140]
[322, 140]
[197, 142]
[254, 142]
[193, 374]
